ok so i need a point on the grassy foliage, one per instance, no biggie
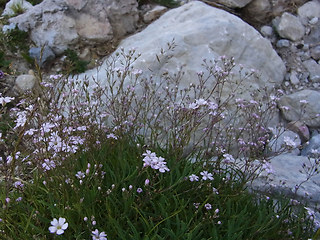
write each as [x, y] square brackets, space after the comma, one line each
[169, 207]
[74, 65]
[4, 64]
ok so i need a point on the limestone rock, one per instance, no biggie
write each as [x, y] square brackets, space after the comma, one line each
[312, 149]
[154, 13]
[234, 3]
[25, 82]
[286, 175]
[293, 78]
[12, 4]
[42, 55]
[315, 52]
[91, 29]
[290, 27]
[294, 107]
[309, 10]
[314, 70]
[301, 129]
[258, 10]
[60, 24]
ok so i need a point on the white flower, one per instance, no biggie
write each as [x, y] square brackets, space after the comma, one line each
[154, 162]
[21, 119]
[228, 158]
[212, 105]
[30, 132]
[55, 142]
[193, 106]
[303, 101]
[289, 142]
[193, 178]
[201, 102]
[46, 127]
[58, 226]
[80, 175]
[111, 135]
[215, 190]
[268, 168]
[4, 100]
[206, 175]
[208, 206]
[48, 164]
[98, 236]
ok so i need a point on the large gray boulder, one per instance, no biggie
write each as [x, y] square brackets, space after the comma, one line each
[60, 24]
[203, 32]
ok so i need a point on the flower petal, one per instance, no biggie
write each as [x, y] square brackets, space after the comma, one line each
[62, 221]
[60, 231]
[52, 229]
[64, 226]
[54, 222]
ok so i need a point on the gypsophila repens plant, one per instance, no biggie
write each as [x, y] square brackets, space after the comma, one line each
[137, 157]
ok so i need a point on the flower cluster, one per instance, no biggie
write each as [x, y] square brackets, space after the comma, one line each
[150, 159]
[205, 176]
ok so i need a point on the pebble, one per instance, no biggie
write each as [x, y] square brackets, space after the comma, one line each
[283, 43]
[293, 78]
[266, 31]
[314, 20]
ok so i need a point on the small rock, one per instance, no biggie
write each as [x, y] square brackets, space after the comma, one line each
[314, 20]
[305, 56]
[25, 82]
[301, 129]
[290, 27]
[266, 31]
[42, 55]
[85, 54]
[293, 78]
[283, 43]
[287, 76]
[315, 52]
[314, 145]
[314, 70]
[154, 13]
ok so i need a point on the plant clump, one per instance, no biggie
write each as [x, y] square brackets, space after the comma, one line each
[136, 157]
